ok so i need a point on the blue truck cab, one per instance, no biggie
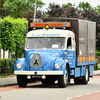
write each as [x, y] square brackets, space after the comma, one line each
[57, 51]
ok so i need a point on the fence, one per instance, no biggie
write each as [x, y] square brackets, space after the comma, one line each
[6, 67]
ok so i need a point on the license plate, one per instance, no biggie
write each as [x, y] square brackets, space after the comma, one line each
[36, 76]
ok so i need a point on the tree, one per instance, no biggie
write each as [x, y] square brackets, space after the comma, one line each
[28, 14]
[17, 7]
[68, 5]
[98, 9]
[70, 12]
[83, 5]
[12, 32]
[3, 9]
[2, 6]
[54, 10]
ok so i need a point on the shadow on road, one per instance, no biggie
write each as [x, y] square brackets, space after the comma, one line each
[40, 85]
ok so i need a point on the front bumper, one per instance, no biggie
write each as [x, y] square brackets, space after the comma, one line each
[38, 72]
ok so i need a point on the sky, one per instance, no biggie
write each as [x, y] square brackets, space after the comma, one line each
[93, 3]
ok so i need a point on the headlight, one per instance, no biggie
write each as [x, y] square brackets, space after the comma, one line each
[57, 65]
[19, 65]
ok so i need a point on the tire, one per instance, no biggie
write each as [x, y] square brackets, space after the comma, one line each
[22, 80]
[44, 81]
[47, 81]
[51, 82]
[63, 79]
[85, 78]
[77, 81]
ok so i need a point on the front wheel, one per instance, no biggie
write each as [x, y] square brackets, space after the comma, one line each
[45, 81]
[63, 79]
[22, 80]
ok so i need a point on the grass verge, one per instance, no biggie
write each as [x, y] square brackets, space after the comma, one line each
[7, 76]
[98, 66]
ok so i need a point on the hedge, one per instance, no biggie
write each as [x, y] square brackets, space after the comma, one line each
[12, 32]
[9, 66]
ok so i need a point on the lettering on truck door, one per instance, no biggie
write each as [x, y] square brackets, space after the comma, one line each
[71, 51]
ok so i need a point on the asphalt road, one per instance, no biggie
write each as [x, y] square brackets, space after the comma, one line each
[37, 91]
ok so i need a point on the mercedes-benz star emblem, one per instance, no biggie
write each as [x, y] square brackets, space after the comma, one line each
[36, 60]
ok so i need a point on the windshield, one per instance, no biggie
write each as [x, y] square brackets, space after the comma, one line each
[45, 42]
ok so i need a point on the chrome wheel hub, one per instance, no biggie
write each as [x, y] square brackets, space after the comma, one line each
[65, 77]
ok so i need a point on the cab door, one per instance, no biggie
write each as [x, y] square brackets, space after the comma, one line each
[71, 51]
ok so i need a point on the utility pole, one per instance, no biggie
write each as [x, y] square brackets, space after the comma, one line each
[35, 10]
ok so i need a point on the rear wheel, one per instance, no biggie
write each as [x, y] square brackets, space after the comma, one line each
[85, 78]
[77, 81]
[63, 79]
[22, 80]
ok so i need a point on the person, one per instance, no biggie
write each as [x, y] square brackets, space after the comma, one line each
[59, 44]
[42, 16]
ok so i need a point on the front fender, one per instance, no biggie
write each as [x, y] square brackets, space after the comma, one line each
[62, 63]
[64, 66]
[22, 61]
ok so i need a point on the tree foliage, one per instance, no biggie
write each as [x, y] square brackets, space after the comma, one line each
[55, 10]
[29, 14]
[83, 5]
[12, 31]
[3, 10]
[68, 5]
[2, 6]
[98, 9]
[17, 7]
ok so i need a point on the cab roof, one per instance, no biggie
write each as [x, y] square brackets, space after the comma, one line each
[50, 33]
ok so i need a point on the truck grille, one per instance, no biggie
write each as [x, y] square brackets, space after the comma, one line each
[36, 61]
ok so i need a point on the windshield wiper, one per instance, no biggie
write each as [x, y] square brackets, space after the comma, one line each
[58, 40]
[39, 41]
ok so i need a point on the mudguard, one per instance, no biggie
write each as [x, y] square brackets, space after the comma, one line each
[22, 61]
[63, 64]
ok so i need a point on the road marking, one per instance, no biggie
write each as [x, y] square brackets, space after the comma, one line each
[88, 93]
[87, 96]
[69, 98]
[79, 96]
[97, 91]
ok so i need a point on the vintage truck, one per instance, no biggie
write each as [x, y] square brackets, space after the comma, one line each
[58, 49]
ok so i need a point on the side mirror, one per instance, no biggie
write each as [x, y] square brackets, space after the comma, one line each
[13, 53]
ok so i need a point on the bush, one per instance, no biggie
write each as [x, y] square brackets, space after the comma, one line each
[0, 49]
[12, 32]
[9, 66]
[97, 53]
